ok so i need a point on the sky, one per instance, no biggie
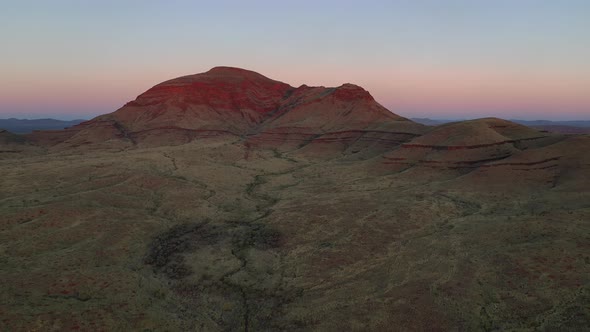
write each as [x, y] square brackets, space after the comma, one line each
[451, 59]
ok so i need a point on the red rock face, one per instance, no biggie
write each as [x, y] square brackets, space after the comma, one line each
[242, 103]
[222, 88]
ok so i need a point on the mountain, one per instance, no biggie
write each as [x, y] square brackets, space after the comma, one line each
[228, 201]
[23, 126]
[233, 102]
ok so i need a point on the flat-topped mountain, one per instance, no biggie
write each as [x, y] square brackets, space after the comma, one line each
[229, 101]
[238, 100]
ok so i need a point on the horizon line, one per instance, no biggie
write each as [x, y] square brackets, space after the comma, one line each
[82, 118]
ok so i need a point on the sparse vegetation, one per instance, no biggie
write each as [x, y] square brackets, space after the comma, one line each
[199, 237]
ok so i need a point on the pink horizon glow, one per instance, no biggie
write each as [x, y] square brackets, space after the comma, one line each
[409, 92]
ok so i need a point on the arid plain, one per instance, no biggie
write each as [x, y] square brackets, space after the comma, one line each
[229, 201]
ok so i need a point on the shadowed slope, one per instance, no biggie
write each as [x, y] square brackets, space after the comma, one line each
[334, 119]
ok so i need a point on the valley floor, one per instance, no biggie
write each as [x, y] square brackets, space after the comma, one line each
[213, 236]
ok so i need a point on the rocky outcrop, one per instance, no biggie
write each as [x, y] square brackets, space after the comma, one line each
[477, 144]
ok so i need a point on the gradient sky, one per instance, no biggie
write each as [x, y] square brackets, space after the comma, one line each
[431, 58]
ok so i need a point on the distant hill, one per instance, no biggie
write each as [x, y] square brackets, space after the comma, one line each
[535, 123]
[23, 126]
[430, 122]
[561, 127]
